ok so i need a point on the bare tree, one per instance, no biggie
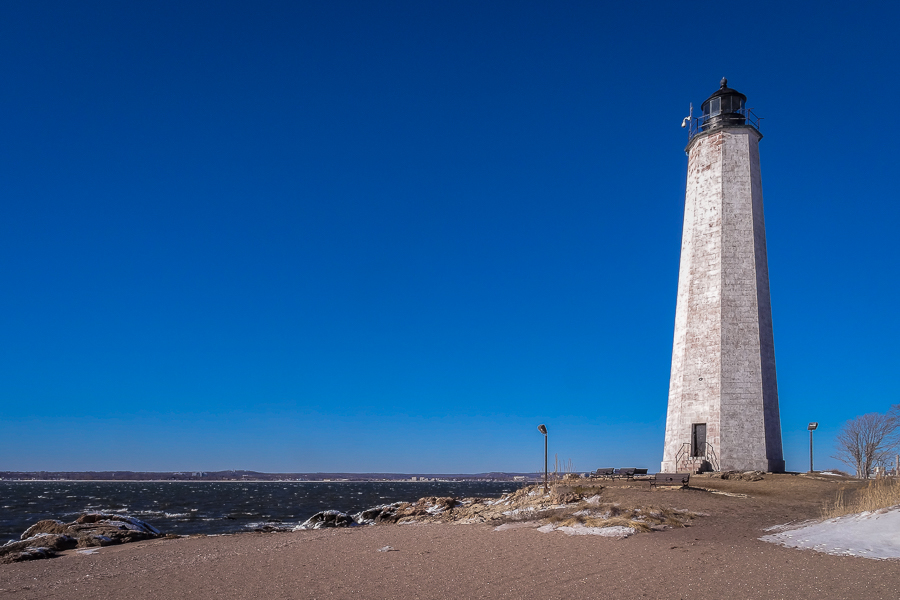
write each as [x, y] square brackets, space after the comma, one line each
[867, 440]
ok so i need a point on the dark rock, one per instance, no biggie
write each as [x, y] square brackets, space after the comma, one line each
[94, 540]
[26, 554]
[384, 513]
[328, 518]
[100, 529]
[429, 508]
[435, 505]
[42, 545]
[271, 528]
[45, 526]
[118, 521]
[44, 538]
[90, 518]
[567, 497]
[742, 475]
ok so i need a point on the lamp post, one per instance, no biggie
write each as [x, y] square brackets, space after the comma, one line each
[543, 429]
[812, 427]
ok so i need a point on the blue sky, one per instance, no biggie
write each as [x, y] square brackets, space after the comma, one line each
[397, 236]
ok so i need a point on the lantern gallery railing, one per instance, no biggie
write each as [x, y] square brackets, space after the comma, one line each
[699, 124]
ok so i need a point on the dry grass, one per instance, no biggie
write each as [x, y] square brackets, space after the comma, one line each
[878, 494]
[611, 515]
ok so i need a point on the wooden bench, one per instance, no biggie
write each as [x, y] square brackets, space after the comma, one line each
[603, 473]
[679, 479]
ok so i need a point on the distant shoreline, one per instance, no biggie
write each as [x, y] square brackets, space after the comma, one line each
[263, 480]
[261, 477]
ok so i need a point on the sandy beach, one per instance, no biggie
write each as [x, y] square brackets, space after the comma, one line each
[719, 556]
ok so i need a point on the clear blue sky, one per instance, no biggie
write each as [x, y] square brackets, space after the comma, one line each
[397, 236]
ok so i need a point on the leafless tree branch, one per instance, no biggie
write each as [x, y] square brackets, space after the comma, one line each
[868, 440]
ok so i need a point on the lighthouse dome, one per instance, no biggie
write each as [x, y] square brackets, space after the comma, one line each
[726, 107]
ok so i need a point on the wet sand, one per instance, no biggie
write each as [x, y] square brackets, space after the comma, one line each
[718, 557]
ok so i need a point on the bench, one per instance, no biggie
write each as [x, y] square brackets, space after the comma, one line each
[624, 473]
[603, 473]
[679, 479]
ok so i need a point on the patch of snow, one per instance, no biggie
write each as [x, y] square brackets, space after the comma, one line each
[616, 531]
[868, 535]
[593, 499]
[518, 510]
[132, 524]
[517, 525]
[830, 473]
[591, 513]
[731, 494]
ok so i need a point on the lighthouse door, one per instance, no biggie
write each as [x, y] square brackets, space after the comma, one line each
[698, 439]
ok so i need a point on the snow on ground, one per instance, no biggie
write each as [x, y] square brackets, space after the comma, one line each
[517, 525]
[869, 535]
[517, 511]
[616, 531]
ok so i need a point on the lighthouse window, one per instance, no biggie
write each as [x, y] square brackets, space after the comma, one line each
[714, 106]
[732, 104]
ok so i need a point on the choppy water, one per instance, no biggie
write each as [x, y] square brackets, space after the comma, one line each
[185, 507]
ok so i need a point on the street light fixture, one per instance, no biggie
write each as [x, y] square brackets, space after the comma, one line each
[812, 427]
[543, 429]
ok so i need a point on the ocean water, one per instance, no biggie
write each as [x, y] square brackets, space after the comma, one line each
[185, 507]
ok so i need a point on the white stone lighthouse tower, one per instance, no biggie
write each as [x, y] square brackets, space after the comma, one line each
[723, 398]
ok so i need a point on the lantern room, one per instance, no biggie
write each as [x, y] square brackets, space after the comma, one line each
[725, 108]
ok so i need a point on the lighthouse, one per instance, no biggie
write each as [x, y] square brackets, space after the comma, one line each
[723, 396]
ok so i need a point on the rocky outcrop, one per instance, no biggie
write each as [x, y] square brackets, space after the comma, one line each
[45, 538]
[575, 509]
[743, 475]
[272, 527]
[327, 518]
[384, 513]
[46, 526]
[42, 545]
[431, 508]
